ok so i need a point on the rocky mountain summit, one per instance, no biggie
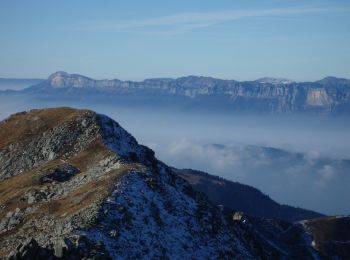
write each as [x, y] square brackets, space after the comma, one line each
[328, 96]
[75, 185]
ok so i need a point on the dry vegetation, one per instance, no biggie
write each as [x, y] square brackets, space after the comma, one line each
[12, 189]
[24, 126]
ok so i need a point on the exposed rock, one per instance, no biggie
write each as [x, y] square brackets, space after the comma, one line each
[61, 173]
[30, 249]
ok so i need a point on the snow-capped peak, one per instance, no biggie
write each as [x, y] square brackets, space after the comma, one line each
[274, 81]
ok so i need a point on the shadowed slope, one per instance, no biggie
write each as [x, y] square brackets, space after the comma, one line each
[240, 197]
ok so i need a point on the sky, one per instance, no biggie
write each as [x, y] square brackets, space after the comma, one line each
[244, 40]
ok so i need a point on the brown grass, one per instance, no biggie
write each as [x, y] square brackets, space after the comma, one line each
[90, 155]
[24, 126]
[13, 188]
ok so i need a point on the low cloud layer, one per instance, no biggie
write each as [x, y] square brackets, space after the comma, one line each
[305, 180]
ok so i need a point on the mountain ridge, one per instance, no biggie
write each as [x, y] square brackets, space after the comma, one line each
[330, 96]
[240, 197]
[266, 80]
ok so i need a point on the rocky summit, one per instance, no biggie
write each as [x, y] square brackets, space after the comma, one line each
[75, 185]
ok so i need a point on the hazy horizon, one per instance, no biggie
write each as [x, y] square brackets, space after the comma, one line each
[187, 75]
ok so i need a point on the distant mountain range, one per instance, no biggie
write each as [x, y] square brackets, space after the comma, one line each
[267, 95]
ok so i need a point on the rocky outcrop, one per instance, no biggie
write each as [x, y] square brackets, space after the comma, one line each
[33, 139]
[30, 250]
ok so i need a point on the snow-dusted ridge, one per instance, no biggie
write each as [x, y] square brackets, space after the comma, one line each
[153, 213]
[274, 81]
[157, 219]
[124, 144]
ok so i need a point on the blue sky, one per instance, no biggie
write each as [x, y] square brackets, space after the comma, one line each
[301, 40]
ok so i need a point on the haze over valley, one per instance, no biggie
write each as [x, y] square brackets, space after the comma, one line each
[286, 154]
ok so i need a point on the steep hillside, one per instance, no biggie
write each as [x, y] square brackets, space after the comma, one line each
[239, 197]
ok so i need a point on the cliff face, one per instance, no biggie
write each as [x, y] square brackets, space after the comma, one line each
[327, 96]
